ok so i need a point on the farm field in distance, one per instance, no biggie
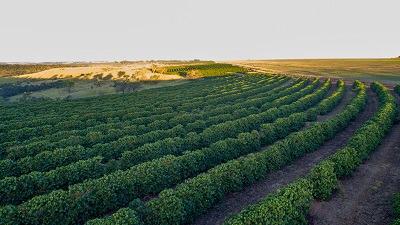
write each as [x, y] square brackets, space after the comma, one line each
[383, 70]
[79, 80]
[200, 142]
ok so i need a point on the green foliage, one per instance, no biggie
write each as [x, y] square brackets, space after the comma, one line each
[117, 189]
[345, 161]
[121, 217]
[324, 180]
[201, 192]
[397, 89]
[275, 208]
[286, 206]
[323, 177]
[8, 214]
[396, 204]
[206, 70]
[14, 190]
[192, 151]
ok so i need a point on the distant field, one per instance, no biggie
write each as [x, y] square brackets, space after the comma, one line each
[138, 71]
[99, 79]
[384, 70]
[8, 70]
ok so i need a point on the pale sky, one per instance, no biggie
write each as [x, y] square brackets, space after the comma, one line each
[76, 30]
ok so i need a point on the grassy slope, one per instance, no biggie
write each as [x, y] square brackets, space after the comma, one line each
[384, 70]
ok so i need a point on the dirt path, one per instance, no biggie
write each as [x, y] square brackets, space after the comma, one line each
[365, 197]
[235, 202]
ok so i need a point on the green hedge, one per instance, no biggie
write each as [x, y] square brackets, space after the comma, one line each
[124, 216]
[91, 198]
[14, 190]
[47, 160]
[51, 159]
[286, 206]
[195, 195]
[323, 177]
[49, 118]
[162, 118]
[397, 89]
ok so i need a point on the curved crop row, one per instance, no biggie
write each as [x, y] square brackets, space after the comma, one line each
[100, 116]
[14, 190]
[196, 195]
[397, 89]
[51, 159]
[81, 105]
[94, 197]
[109, 132]
[88, 105]
[80, 152]
[294, 200]
[103, 113]
[170, 204]
[133, 116]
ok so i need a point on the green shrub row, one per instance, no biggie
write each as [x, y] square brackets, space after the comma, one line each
[166, 147]
[396, 199]
[227, 129]
[125, 113]
[323, 177]
[96, 197]
[286, 206]
[14, 190]
[128, 114]
[396, 208]
[51, 159]
[94, 111]
[111, 131]
[397, 89]
[124, 216]
[203, 87]
[195, 195]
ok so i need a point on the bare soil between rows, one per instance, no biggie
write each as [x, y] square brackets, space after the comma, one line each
[235, 202]
[366, 196]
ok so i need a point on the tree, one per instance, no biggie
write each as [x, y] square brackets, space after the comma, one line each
[108, 77]
[121, 73]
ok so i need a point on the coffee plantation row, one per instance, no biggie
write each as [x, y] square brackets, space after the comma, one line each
[131, 158]
[168, 155]
[322, 180]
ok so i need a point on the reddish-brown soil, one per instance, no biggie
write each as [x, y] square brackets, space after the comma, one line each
[235, 202]
[366, 196]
